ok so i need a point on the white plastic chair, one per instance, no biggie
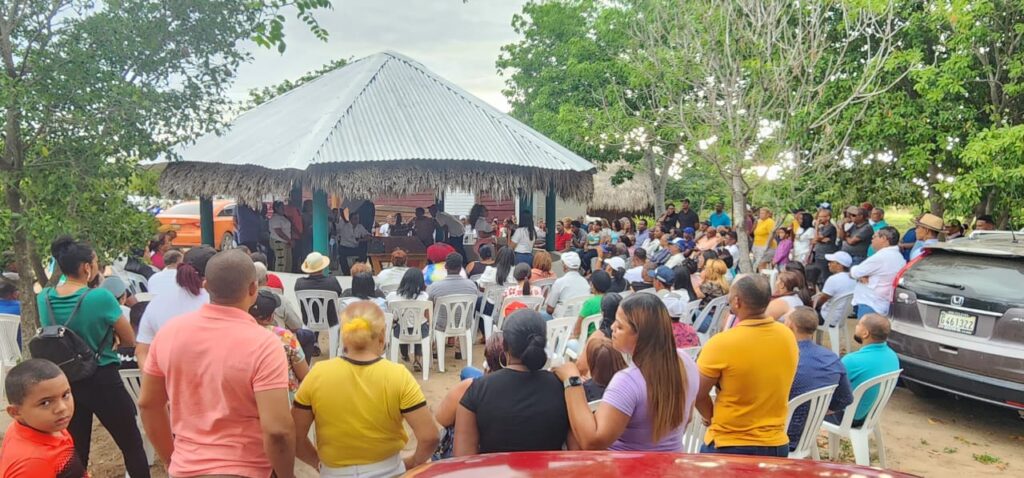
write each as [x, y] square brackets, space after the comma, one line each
[710, 317]
[691, 351]
[388, 288]
[588, 321]
[693, 435]
[860, 436]
[625, 293]
[458, 311]
[137, 283]
[817, 401]
[558, 333]
[532, 302]
[132, 380]
[545, 285]
[691, 310]
[839, 308]
[9, 351]
[316, 305]
[492, 295]
[410, 315]
[571, 307]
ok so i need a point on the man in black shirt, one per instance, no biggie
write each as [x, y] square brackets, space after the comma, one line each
[824, 243]
[855, 240]
[687, 217]
[669, 219]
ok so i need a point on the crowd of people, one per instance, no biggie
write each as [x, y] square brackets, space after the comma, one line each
[208, 409]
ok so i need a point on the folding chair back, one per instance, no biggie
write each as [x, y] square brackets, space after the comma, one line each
[588, 322]
[532, 302]
[571, 307]
[316, 305]
[558, 332]
[816, 402]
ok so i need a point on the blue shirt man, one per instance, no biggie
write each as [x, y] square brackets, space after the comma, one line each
[873, 359]
[248, 224]
[719, 217]
[818, 367]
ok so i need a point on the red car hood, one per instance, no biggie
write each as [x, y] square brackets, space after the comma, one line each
[600, 464]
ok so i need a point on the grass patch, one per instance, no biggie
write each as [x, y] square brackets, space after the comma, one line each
[950, 450]
[924, 442]
[986, 459]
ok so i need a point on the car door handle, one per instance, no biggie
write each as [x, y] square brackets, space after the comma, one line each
[949, 350]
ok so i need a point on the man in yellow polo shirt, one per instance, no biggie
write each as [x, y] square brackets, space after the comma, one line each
[752, 365]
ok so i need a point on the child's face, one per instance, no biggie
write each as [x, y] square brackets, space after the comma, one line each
[47, 407]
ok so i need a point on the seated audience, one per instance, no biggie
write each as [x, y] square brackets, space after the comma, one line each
[477, 268]
[360, 268]
[393, 275]
[127, 352]
[636, 266]
[609, 306]
[445, 414]
[501, 272]
[818, 367]
[874, 358]
[517, 408]
[436, 254]
[600, 282]
[616, 268]
[838, 283]
[647, 405]
[521, 273]
[541, 266]
[876, 274]
[746, 363]
[603, 362]
[163, 281]
[267, 303]
[569, 286]
[411, 288]
[789, 294]
[364, 431]
[452, 284]
[364, 288]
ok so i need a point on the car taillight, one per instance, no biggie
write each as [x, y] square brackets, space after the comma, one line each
[899, 275]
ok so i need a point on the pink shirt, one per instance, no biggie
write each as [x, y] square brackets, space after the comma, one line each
[213, 362]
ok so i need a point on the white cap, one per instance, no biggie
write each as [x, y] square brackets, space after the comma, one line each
[616, 263]
[571, 260]
[842, 257]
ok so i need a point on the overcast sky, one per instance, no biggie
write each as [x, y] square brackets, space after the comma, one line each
[459, 41]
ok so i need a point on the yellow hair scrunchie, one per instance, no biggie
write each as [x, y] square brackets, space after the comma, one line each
[357, 323]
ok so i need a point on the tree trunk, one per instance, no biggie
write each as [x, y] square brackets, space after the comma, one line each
[26, 270]
[657, 182]
[739, 214]
[936, 203]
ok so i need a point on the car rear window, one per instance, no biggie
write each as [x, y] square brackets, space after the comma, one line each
[985, 278]
[184, 209]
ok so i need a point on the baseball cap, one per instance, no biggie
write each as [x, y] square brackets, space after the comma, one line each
[688, 230]
[115, 285]
[616, 263]
[842, 257]
[663, 274]
[266, 303]
[571, 260]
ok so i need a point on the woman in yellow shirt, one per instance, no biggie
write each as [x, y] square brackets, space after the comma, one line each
[762, 236]
[358, 403]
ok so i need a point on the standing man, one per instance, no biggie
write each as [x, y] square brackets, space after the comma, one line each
[753, 365]
[719, 218]
[876, 274]
[877, 221]
[248, 227]
[984, 222]
[291, 211]
[688, 217]
[855, 235]
[351, 241]
[281, 239]
[927, 233]
[824, 243]
[423, 227]
[229, 412]
[454, 231]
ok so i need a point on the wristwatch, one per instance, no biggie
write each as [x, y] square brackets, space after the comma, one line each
[572, 382]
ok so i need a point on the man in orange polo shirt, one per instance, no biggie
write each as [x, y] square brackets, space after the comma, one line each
[753, 365]
[226, 379]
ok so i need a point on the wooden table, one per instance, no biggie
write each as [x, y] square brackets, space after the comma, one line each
[415, 251]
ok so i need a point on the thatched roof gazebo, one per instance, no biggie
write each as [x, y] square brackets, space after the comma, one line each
[631, 197]
[384, 125]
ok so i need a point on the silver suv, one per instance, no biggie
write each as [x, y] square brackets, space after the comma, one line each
[958, 319]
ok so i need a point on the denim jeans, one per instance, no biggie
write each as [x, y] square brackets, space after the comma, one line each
[470, 372]
[863, 310]
[777, 451]
[524, 258]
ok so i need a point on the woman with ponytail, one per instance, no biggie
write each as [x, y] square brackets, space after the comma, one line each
[362, 435]
[96, 317]
[517, 408]
[647, 405]
[185, 297]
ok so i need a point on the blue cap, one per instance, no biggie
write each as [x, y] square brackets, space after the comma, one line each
[664, 274]
[688, 230]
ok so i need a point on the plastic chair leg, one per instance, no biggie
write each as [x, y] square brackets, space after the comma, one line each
[861, 448]
[394, 349]
[439, 343]
[426, 358]
[833, 447]
[488, 327]
[467, 348]
[833, 338]
[332, 339]
[880, 445]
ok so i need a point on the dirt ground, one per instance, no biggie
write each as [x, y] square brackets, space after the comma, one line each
[934, 437]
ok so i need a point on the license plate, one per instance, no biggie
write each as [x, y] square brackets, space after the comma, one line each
[957, 322]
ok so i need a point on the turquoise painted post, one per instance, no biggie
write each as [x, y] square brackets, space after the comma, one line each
[550, 217]
[525, 201]
[321, 241]
[206, 221]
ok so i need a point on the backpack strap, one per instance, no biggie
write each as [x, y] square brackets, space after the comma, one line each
[74, 312]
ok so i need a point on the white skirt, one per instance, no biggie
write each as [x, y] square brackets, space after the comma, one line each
[386, 468]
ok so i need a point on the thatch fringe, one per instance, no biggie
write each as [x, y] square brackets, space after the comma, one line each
[369, 180]
[635, 195]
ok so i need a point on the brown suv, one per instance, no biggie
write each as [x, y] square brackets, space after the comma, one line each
[958, 319]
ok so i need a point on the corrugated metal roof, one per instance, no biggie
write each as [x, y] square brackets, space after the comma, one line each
[385, 107]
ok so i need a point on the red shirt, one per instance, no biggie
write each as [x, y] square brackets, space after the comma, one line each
[562, 239]
[29, 453]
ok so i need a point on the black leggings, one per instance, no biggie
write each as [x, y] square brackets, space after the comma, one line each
[104, 395]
